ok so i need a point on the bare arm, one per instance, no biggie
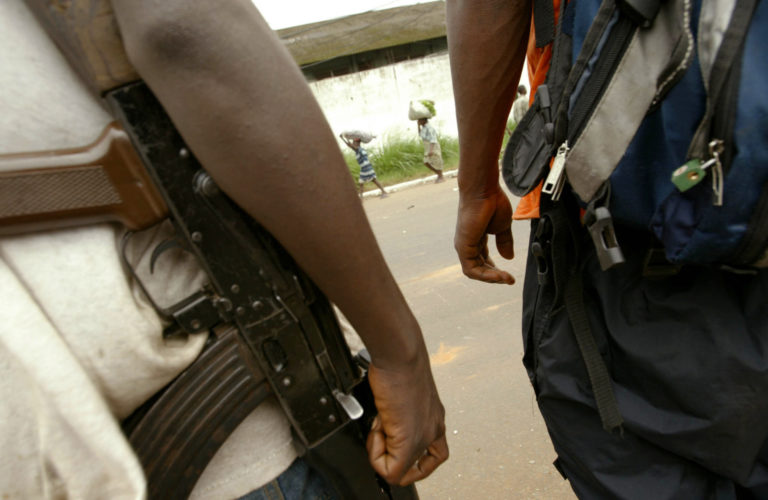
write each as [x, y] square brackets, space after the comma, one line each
[347, 142]
[486, 41]
[240, 102]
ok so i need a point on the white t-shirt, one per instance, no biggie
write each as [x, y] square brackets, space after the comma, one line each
[80, 347]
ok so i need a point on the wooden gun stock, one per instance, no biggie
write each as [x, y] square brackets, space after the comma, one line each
[104, 181]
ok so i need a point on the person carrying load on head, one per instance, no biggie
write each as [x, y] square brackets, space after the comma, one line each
[367, 173]
[422, 111]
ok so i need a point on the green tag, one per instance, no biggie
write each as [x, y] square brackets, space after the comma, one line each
[688, 175]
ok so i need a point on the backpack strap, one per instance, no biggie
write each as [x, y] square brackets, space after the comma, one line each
[565, 243]
[544, 21]
[599, 377]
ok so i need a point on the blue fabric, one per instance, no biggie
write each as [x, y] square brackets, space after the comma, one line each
[688, 224]
[718, 230]
[688, 359]
[366, 168]
[298, 482]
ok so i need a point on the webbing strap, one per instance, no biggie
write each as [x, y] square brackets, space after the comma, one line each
[566, 256]
[544, 22]
[596, 369]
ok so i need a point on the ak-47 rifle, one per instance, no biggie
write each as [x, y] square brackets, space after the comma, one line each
[268, 318]
[272, 331]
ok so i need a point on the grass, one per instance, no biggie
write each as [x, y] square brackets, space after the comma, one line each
[398, 158]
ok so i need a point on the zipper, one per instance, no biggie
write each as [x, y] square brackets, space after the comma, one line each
[612, 44]
[583, 92]
[553, 184]
[584, 102]
[681, 68]
[755, 240]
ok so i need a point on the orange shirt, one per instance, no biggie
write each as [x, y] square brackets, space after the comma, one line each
[538, 64]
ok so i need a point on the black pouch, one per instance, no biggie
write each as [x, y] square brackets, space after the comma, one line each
[532, 144]
[530, 147]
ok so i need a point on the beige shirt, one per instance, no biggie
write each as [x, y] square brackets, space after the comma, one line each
[80, 347]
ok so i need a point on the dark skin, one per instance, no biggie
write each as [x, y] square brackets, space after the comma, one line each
[486, 43]
[234, 93]
[421, 122]
[354, 145]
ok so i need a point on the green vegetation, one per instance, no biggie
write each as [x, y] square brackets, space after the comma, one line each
[510, 128]
[397, 158]
[430, 105]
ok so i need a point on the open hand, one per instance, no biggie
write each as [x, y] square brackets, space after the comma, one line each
[477, 218]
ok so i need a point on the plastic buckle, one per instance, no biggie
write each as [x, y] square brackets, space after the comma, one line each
[600, 225]
[545, 103]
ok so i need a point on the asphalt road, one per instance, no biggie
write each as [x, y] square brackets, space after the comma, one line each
[498, 442]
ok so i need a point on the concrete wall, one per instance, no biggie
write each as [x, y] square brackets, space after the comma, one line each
[377, 100]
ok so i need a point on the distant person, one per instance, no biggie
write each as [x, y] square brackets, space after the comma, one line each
[520, 106]
[433, 156]
[367, 174]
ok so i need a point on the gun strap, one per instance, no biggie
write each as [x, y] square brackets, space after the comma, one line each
[87, 34]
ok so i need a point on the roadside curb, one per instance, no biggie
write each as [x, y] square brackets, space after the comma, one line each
[405, 185]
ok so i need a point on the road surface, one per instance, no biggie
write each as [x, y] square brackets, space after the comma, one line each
[498, 442]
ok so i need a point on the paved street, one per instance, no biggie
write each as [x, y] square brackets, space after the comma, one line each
[499, 445]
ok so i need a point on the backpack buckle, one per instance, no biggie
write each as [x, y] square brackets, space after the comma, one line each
[599, 222]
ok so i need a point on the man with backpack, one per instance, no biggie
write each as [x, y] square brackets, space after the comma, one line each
[646, 349]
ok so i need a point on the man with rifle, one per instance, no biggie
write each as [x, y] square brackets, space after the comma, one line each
[86, 345]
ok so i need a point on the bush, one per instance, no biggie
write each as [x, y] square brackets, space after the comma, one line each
[397, 158]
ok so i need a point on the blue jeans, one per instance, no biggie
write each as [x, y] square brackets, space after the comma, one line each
[298, 482]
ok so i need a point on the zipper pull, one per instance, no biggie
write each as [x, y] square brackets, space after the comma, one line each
[555, 181]
[715, 148]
